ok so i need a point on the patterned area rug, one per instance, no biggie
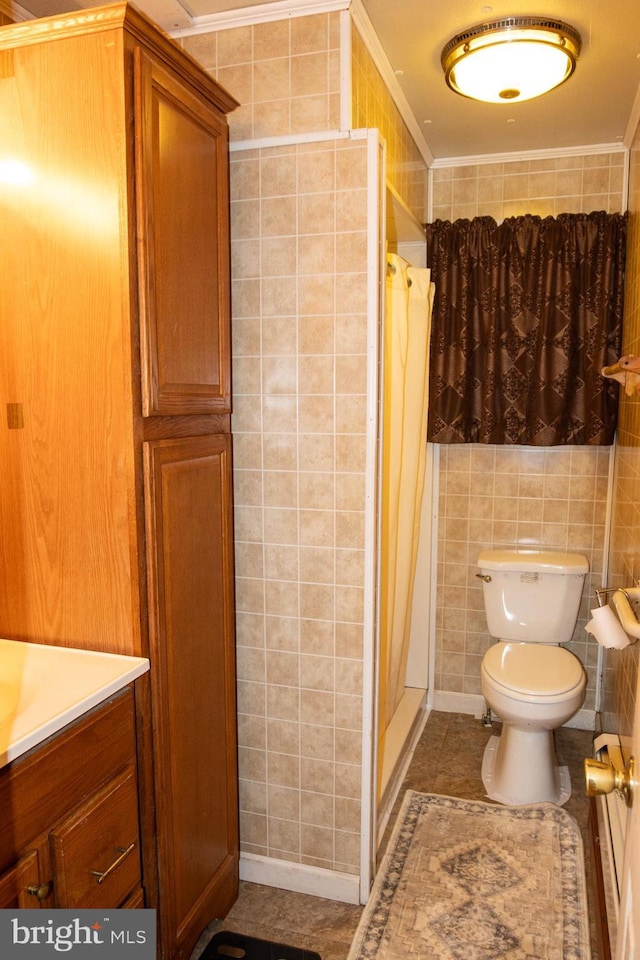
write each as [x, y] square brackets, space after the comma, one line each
[466, 880]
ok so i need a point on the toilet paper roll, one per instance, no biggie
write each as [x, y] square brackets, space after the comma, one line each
[605, 627]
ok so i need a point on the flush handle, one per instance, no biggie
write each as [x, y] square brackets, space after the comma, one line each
[604, 777]
[484, 577]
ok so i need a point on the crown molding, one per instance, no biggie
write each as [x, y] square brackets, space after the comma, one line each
[260, 13]
[589, 149]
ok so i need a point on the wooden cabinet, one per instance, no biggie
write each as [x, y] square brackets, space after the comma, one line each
[115, 495]
[183, 240]
[70, 816]
[187, 490]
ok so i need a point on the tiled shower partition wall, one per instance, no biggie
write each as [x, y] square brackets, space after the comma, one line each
[299, 341]
[497, 496]
[373, 106]
[299, 223]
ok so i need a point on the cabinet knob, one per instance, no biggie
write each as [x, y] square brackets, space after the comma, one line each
[101, 875]
[40, 890]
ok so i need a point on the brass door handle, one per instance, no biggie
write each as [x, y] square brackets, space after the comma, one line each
[101, 875]
[603, 777]
[40, 890]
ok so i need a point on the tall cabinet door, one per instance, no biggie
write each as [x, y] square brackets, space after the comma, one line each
[189, 555]
[183, 230]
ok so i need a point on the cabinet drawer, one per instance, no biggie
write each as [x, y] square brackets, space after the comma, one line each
[135, 901]
[95, 851]
[49, 782]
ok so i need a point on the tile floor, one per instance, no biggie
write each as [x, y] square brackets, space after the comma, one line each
[447, 760]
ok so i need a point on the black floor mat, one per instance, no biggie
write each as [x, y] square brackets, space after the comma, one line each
[235, 946]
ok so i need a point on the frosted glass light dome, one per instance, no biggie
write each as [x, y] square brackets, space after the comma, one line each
[511, 59]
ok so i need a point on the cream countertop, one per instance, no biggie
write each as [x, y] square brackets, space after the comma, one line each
[43, 688]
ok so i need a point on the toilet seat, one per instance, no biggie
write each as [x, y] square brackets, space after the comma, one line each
[533, 671]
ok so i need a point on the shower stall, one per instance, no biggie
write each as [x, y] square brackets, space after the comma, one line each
[406, 504]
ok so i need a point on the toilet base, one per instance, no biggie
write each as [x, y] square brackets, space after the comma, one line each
[519, 767]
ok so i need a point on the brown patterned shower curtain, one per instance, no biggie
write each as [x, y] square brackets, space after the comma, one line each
[526, 314]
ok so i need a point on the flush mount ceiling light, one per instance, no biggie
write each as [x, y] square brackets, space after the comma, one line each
[511, 59]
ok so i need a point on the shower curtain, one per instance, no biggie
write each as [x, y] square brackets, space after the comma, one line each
[408, 306]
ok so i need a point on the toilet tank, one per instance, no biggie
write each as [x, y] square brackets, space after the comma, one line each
[532, 595]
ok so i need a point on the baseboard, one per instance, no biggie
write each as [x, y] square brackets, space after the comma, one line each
[300, 878]
[469, 703]
[583, 720]
[474, 705]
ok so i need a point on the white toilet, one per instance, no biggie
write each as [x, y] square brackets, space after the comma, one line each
[532, 684]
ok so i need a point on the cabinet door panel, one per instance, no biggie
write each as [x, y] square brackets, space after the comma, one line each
[182, 210]
[187, 489]
[16, 884]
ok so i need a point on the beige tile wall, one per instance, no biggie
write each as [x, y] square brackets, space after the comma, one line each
[299, 311]
[373, 106]
[299, 341]
[545, 187]
[494, 496]
[285, 73]
[622, 666]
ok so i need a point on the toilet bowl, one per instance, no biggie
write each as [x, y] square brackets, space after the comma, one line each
[529, 681]
[533, 689]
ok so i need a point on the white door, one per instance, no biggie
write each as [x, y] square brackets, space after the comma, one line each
[628, 941]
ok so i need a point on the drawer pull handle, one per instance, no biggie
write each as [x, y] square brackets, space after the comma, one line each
[101, 876]
[40, 890]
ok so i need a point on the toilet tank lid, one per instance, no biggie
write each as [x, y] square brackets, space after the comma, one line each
[541, 561]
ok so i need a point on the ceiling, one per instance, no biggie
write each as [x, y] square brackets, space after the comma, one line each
[594, 107]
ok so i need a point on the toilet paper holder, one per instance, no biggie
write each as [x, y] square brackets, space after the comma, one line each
[626, 603]
[627, 372]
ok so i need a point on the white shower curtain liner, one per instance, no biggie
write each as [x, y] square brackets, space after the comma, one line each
[408, 307]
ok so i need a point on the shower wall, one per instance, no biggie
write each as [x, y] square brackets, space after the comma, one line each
[496, 496]
[302, 219]
[621, 666]
[372, 106]
[299, 372]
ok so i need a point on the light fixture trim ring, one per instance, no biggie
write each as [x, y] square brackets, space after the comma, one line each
[561, 36]
[505, 24]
